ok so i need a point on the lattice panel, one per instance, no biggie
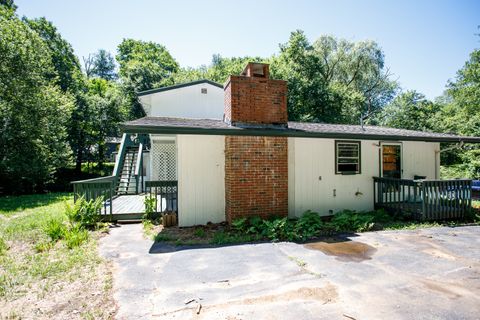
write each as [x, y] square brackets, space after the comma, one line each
[164, 160]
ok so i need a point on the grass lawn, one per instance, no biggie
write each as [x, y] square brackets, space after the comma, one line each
[42, 279]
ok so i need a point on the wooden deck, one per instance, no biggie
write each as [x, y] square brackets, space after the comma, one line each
[125, 207]
[129, 207]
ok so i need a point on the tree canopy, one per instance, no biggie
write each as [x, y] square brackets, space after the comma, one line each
[33, 109]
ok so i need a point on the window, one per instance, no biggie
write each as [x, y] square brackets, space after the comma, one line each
[347, 157]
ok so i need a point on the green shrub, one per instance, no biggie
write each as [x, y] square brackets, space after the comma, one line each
[309, 225]
[279, 229]
[55, 229]
[240, 225]
[86, 213]
[75, 236]
[256, 225]
[348, 220]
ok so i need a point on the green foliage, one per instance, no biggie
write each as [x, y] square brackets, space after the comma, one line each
[309, 225]
[101, 65]
[3, 246]
[75, 236]
[332, 80]
[150, 210]
[66, 68]
[55, 229]
[352, 221]
[160, 237]
[84, 213]
[278, 229]
[199, 232]
[143, 66]
[224, 237]
[410, 110]
[33, 110]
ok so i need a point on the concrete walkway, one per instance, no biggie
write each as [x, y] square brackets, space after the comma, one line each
[422, 274]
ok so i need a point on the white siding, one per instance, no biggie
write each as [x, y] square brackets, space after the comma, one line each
[419, 158]
[313, 184]
[186, 102]
[201, 179]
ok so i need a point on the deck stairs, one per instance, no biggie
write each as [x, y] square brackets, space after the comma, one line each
[126, 179]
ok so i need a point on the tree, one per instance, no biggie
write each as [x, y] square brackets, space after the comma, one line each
[8, 4]
[410, 110]
[33, 110]
[67, 72]
[101, 65]
[461, 112]
[143, 66]
[107, 107]
[333, 80]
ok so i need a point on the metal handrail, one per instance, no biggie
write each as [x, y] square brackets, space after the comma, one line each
[95, 180]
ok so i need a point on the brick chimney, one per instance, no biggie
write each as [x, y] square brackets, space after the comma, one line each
[252, 99]
[256, 167]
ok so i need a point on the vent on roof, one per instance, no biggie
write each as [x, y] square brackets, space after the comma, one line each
[204, 90]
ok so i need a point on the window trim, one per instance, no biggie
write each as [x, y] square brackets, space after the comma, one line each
[359, 143]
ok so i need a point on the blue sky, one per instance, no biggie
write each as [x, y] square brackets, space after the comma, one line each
[425, 42]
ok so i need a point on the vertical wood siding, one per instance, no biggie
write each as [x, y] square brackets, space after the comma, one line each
[310, 159]
[201, 179]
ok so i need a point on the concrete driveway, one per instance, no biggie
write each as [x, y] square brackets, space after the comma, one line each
[421, 274]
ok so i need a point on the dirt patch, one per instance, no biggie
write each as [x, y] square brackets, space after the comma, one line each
[444, 288]
[343, 250]
[83, 293]
[324, 295]
[187, 235]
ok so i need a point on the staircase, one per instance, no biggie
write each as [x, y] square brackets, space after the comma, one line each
[126, 180]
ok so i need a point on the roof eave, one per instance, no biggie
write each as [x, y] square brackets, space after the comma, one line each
[178, 86]
[145, 129]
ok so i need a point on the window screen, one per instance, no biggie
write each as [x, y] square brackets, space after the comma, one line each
[347, 157]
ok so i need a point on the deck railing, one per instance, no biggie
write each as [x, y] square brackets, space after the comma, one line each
[424, 199]
[165, 194]
[139, 169]
[92, 189]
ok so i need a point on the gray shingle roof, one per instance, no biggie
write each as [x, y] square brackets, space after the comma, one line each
[295, 129]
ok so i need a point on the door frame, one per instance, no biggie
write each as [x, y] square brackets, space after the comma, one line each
[388, 143]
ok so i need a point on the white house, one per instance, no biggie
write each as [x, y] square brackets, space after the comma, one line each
[233, 153]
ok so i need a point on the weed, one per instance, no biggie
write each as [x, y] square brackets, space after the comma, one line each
[223, 237]
[43, 246]
[199, 232]
[150, 209]
[161, 237]
[55, 229]
[75, 236]
[148, 228]
[3, 246]
[85, 212]
[299, 262]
